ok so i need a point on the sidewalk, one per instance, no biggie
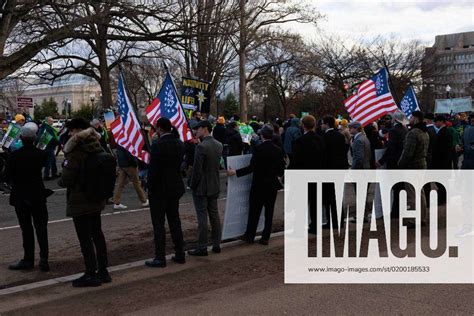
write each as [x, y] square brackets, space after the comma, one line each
[243, 279]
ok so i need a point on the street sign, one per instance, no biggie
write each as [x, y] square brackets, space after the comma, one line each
[24, 102]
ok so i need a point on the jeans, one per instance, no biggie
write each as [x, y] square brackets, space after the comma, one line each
[159, 208]
[39, 214]
[207, 205]
[50, 164]
[89, 232]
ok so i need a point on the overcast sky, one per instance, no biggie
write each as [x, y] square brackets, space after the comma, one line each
[403, 19]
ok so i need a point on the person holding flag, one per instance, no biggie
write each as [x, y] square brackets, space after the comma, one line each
[48, 140]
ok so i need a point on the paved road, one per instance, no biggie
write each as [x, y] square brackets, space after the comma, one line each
[129, 235]
[57, 203]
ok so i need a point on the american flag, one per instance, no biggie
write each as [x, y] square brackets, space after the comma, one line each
[126, 128]
[372, 100]
[167, 104]
[409, 103]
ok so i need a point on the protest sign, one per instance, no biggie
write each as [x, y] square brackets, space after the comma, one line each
[44, 140]
[456, 105]
[109, 117]
[378, 155]
[12, 133]
[196, 95]
[237, 204]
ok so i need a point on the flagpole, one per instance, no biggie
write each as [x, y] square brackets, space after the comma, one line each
[390, 81]
[176, 92]
[135, 110]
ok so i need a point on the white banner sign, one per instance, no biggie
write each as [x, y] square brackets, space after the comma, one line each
[456, 105]
[237, 204]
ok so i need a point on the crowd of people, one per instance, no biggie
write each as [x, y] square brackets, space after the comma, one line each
[95, 171]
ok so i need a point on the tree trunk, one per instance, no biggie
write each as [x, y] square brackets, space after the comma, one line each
[104, 71]
[242, 62]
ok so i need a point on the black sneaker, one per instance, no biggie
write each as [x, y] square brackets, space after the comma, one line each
[104, 276]
[216, 249]
[22, 265]
[87, 280]
[44, 265]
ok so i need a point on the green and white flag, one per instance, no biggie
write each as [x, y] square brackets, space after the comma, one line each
[44, 140]
[12, 133]
[246, 132]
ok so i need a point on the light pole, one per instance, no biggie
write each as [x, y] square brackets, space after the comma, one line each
[218, 95]
[68, 107]
[92, 97]
[265, 96]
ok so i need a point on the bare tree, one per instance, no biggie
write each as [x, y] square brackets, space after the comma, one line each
[125, 32]
[208, 53]
[284, 65]
[255, 18]
[28, 27]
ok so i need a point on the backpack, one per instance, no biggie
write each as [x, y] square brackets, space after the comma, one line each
[98, 176]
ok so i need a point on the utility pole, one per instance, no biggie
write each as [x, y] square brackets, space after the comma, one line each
[242, 62]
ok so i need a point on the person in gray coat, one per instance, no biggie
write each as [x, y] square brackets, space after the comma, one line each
[361, 152]
[205, 183]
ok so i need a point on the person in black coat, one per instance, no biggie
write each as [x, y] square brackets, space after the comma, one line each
[309, 150]
[165, 188]
[443, 146]
[432, 134]
[267, 164]
[233, 140]
[336, 153]
[396, 137]
[375, 142]
[218, 132]
[28, 196]
[309, 153]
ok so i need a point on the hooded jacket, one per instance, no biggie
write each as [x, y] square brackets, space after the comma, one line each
[292, 133]
[76, 151]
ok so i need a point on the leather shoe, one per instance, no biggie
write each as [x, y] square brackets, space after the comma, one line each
[87, 280]
[44, 265]
[104, 276]
[263, 242]
[216, 249]
[246, 239]
[198, 252]
[22, 265]
[156, 263]
[179, 258]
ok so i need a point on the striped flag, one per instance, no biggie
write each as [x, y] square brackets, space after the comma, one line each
[372, 100]
[167, 104]
[126, 128]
